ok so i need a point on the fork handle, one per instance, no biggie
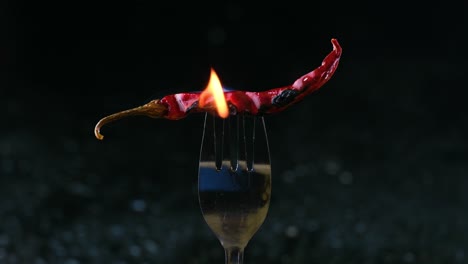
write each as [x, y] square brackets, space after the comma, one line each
[234, 255]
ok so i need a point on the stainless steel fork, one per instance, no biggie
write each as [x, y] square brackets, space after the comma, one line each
[234, 180]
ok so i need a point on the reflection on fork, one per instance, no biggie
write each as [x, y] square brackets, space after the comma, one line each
[234, 185]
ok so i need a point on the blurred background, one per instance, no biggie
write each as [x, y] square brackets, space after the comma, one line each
[372, 168]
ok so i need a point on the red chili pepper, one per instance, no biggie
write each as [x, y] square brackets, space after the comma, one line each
[177, 106]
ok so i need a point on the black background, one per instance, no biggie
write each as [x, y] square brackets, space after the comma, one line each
[372, 168]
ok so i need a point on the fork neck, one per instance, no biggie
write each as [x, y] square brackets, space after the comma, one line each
[234, 255]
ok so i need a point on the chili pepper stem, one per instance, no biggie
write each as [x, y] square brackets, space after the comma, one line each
[152, 109]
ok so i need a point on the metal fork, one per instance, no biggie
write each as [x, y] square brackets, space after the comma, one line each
[234, 180]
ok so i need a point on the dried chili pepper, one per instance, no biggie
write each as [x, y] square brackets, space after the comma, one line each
[177, 106]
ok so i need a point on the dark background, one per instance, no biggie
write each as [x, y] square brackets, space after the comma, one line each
[372, 168]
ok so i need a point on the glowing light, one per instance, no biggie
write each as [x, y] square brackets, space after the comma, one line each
[214, 93]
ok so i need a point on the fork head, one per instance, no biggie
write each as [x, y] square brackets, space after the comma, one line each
[234, 180]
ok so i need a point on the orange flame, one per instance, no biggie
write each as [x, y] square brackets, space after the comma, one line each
[214, 91]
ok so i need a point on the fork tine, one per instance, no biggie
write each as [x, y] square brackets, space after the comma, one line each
[218, 140]
[249, 141]
[248, 130]
[233, 143]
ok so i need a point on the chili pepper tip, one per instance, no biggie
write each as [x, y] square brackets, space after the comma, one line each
[336, 46]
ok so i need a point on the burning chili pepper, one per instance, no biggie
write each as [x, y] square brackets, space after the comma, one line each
[177, 106]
